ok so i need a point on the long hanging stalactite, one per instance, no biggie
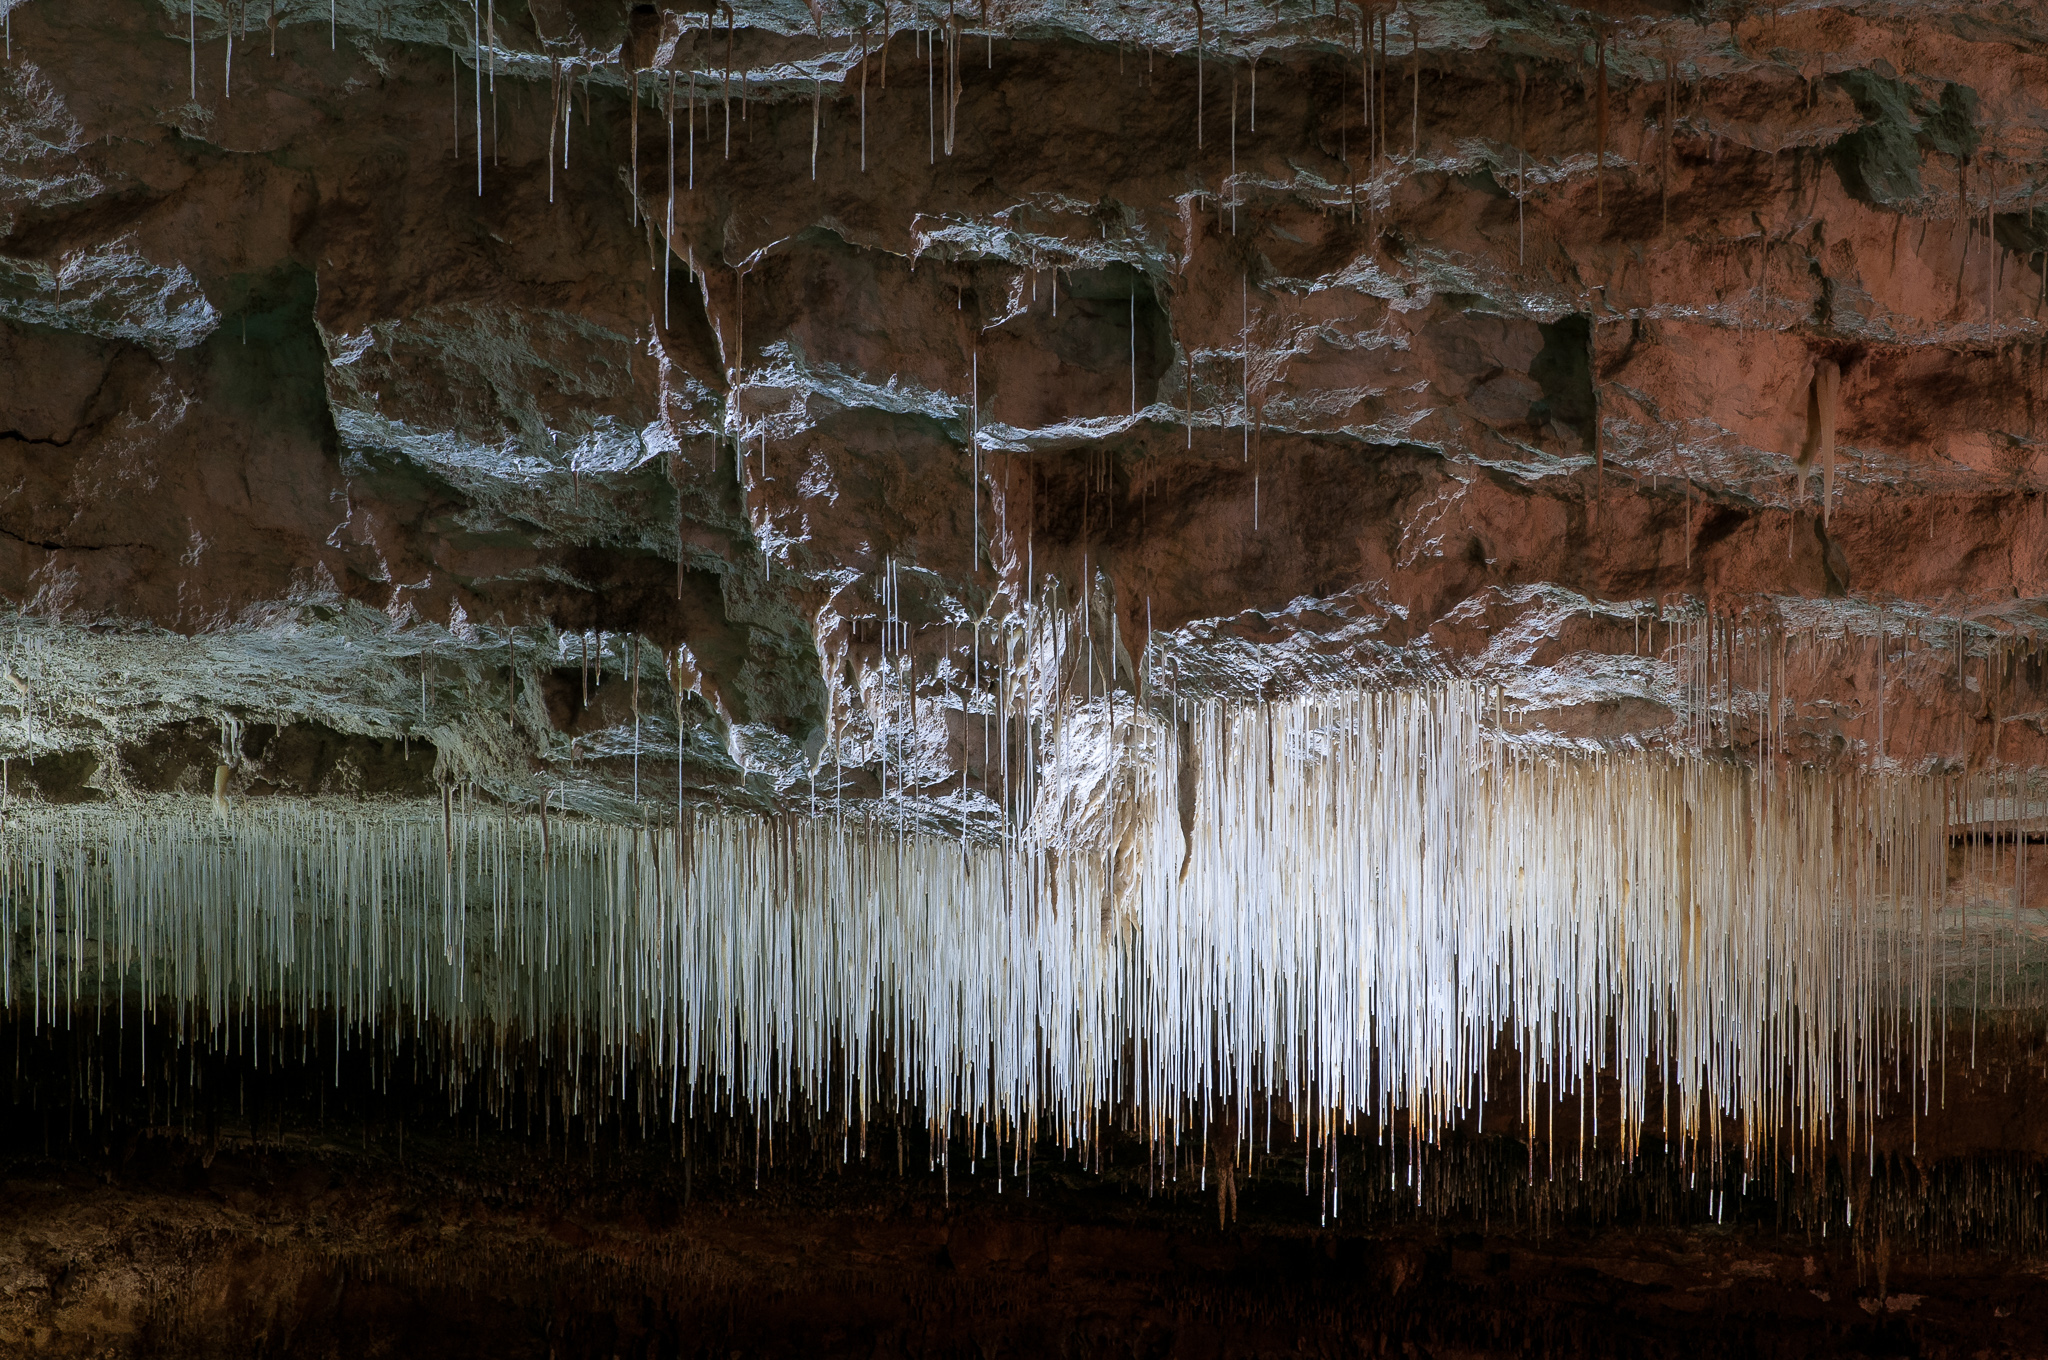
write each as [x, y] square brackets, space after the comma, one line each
[1339, 903]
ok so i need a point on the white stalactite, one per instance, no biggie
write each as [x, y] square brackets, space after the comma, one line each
[1373, 890]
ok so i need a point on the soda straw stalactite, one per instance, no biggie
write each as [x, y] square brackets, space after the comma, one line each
[476, 50]
[568, 106]
[1688, 524]
[1600, 117]
[954, 39]
[1367, 17]
[739, 318]
[1822, 410]
[632, 74]
[974, 479]
[1990, 240]
[1415, 85]
[668, 240]
[1521, 166]
[1599, 434]
[1670, 136]
[1333, 873]
[1383, 152]
[511, 683]
[554, 117]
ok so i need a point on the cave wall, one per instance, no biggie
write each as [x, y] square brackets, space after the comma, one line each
[373, 421]
[310, 390]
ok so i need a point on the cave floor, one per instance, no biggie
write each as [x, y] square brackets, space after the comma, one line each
[405, 1236]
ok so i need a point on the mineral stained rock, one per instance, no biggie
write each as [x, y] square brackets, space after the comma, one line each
[598, 406]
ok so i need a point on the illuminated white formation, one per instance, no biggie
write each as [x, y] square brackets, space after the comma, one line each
[1346, 903]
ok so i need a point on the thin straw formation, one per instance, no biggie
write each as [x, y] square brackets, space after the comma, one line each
[1345, 903]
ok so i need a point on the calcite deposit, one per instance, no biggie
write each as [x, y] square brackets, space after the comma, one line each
[597, 410]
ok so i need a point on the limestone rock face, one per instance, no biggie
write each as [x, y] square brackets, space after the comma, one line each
[355, 370]
[602, 407]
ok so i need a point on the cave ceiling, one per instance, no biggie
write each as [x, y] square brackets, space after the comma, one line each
[418, 416]
[388, 402]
